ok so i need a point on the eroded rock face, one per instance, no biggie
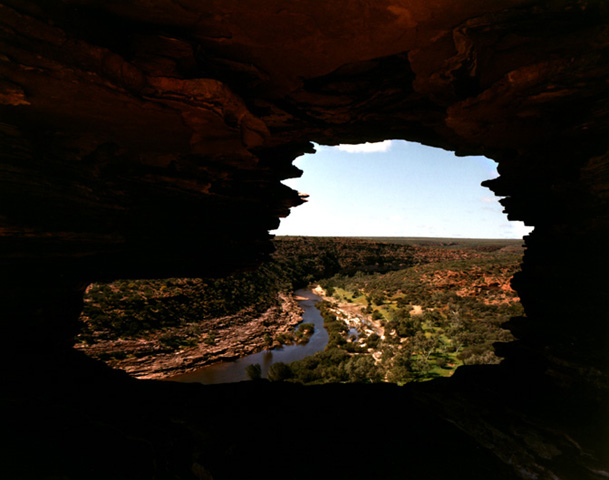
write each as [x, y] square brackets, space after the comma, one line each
[148, 139]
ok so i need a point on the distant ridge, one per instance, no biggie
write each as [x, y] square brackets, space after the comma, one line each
[438, 241]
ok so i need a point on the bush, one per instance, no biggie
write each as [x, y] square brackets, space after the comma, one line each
[321, 367]
[352, 348]
[362, 368]
[284, 338]
[278, 372]
[441, 362]
[403, 302]
[254, 371]
[306, 328]
[400, 374]
[379, 299]
[175, 342]
[409, 327]
[373, 340]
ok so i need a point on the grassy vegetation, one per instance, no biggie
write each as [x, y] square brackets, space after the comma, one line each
[427, 305]
[139, 308]
[482, 244]
[136, 308]
[432, 318]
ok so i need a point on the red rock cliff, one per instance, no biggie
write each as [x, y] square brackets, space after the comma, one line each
[149, 138]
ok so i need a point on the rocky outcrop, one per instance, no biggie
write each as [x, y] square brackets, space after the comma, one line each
[148, 139]
[219, 339]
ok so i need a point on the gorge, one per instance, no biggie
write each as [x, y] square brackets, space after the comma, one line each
[148, 139]
[235, 371]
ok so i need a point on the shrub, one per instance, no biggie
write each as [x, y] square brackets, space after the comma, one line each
[403, 302]
[175, 342]
[352, 348]
[306, 328]
[254, 371]
[379, 299]
[278, 372]
[362, 369]
[373, 340]
[284, 338]
[400, 375]
[409, 327]
[441, 362]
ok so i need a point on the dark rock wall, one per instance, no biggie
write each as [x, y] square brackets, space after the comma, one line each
[149, 138]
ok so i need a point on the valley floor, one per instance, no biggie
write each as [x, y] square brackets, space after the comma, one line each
[397, 312]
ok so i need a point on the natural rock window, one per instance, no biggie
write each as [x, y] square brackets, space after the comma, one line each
[397, 308]
[397, 189]
[149, 140]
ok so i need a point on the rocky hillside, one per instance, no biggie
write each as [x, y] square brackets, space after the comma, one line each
[158, 328]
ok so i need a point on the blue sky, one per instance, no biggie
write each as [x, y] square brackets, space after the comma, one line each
[396, 188]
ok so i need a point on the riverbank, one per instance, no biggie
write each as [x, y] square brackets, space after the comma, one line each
[220, 339]
[236, 371]
[355, 318]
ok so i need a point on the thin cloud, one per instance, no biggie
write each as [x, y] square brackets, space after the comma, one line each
[367, 147]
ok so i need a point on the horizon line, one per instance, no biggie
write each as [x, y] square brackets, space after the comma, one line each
[396, 236]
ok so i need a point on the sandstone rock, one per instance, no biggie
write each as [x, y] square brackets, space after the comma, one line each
[149, 139]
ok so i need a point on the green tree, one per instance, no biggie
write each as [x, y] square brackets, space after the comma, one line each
[278, 372]
[373, 340]
[379, 299]
[254, 371]
[403, 302]
[362, 368]
[408, 327]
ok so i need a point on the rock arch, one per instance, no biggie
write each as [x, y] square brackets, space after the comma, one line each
[149, 139]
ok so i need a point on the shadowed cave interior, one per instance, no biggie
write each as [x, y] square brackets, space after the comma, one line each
[149, 139]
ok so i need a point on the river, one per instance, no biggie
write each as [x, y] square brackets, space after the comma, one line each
[234, 371]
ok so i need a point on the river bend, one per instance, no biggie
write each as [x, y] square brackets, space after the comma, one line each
[234, 371]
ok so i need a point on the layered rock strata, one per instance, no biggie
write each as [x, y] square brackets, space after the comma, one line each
[148, 139]
[219, 339]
